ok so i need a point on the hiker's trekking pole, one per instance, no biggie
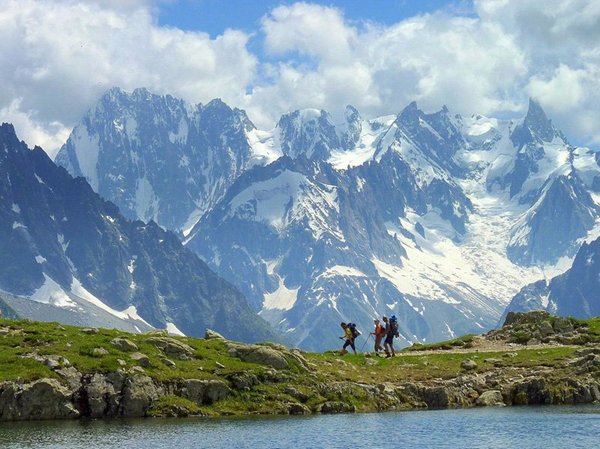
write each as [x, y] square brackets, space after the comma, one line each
[363, 346]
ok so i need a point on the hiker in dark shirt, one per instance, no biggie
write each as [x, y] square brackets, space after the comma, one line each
[391, 331]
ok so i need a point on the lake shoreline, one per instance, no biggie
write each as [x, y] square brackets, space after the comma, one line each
[50, 371]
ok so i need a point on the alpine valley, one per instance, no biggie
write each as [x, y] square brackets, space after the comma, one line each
[436, 218]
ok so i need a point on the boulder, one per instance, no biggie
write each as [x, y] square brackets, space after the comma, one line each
[436, 397]
[42, 399]
[298, 409]
[172, 347]
[204, 391]
[99, 352]
[468, 365]
[546, 328]
[244, 380]
[101, 397]
[124, 344]
[139, 391]
[490, 398]
[213, 335]
[262, 355]
[140, 359]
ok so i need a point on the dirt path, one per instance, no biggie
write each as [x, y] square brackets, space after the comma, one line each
[481, 344]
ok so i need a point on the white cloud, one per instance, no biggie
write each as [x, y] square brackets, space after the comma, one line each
[58, 56]
[436, 59]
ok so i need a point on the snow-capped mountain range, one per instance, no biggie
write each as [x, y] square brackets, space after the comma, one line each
[437, 218]
[70, 256]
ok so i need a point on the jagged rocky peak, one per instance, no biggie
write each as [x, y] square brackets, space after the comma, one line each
[352, 128]
[437, 134]
[158, 157]
[9, 140]
[536, 128]
[308, 132]
[564, 213]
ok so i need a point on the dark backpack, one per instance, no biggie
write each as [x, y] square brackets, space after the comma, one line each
[354, 330]
[394, 327]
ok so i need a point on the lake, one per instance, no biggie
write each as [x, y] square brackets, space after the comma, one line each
[509, 427]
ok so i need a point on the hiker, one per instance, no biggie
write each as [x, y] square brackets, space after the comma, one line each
[391, 331]
[378, 334]
[349, 337]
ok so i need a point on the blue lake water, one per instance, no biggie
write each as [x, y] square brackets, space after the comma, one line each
[510, 427]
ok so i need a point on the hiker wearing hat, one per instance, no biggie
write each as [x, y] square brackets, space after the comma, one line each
[378, 333]
[391, 331]
[348, 337]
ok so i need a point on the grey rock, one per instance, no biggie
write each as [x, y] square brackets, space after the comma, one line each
[139, 391]
[259, 354]
[335, 407]
[172, 347]
[468, 365]
[124, 344]
[244, 380]
[298, 409]
[213, 335]
[140, 359]
[436, 397]
[490, 398]
[204, 391]
[42, 399]
[545, 328]
[99, 352]
[293, 392]
[102, 399]
[168, 362]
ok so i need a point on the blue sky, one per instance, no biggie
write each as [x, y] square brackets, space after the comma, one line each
[270, 57]
[214, 16]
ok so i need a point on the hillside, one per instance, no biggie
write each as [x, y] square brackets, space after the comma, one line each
[49, 371]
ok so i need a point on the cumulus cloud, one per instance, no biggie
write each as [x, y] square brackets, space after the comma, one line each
[435, 59]
[58, 56]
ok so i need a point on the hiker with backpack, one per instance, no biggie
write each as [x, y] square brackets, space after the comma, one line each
[350, 334]
[391, 331]
[378, 334]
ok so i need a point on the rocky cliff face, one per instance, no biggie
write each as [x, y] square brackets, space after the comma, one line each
[158, 158]
[63, 246]
[573, 293]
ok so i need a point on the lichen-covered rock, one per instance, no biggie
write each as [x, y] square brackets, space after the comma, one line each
[99, 352]
[204, 391]
[123, 344]
[244, 381]
[139, 391]
[490, 398]
[101, 396]
[42, 399]
[262, 355]
[436, 397]
[172, 347]
[140, 359]
[468, 365]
